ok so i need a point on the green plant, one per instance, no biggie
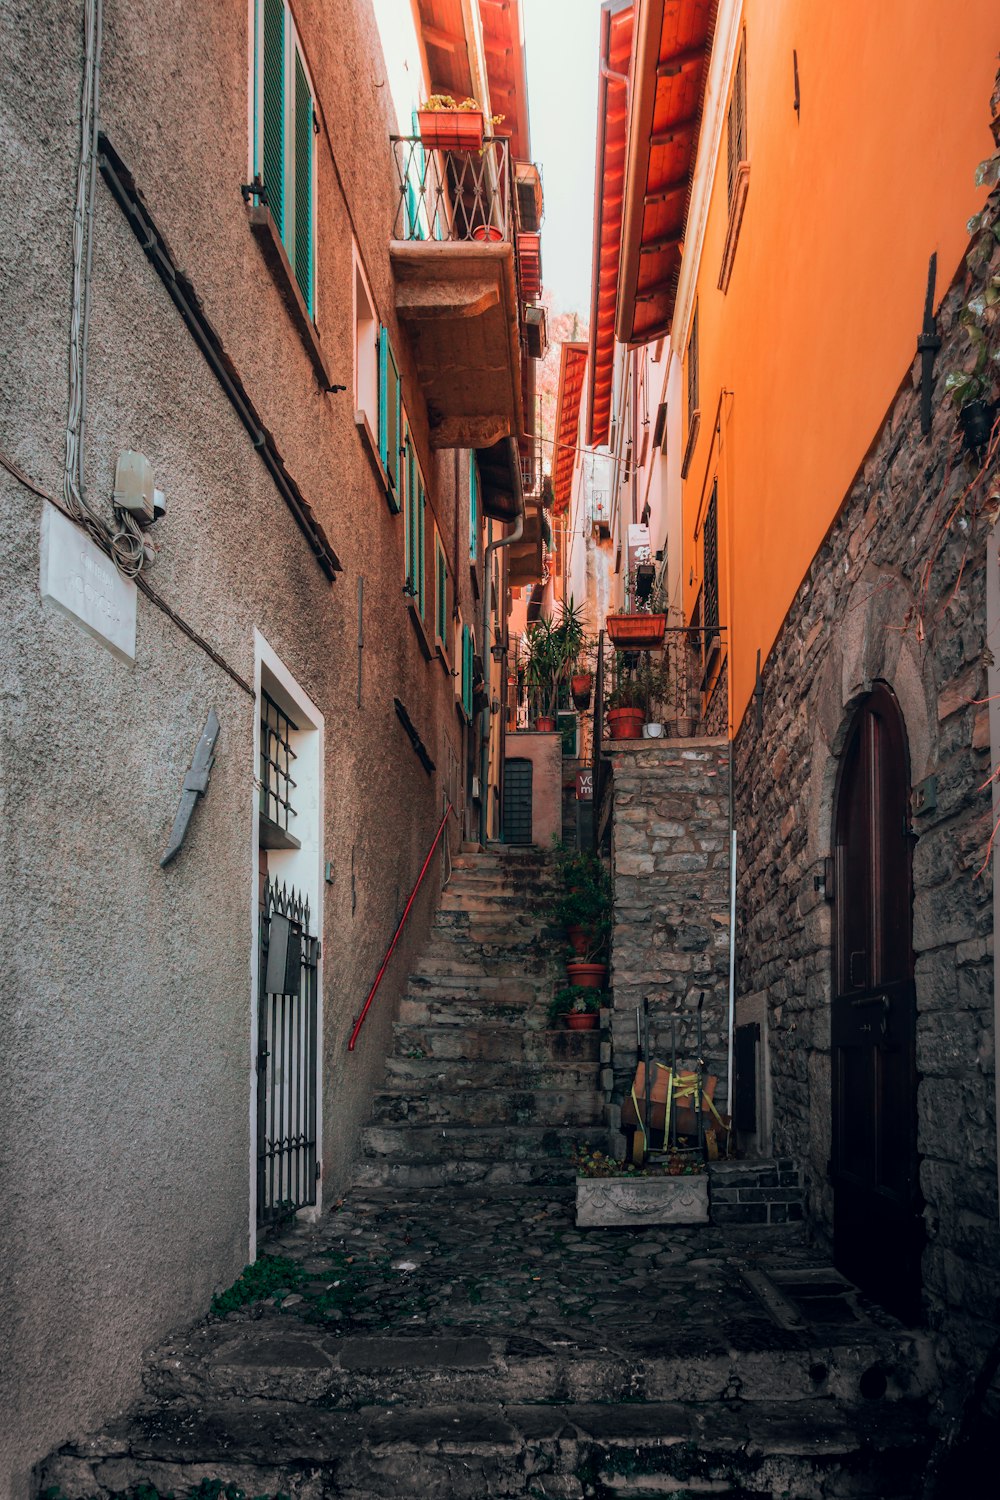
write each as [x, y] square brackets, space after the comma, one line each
[582, 899]
[552, 646]
[436, 103]
[267, 1275]
[576, 998]
[627, 693]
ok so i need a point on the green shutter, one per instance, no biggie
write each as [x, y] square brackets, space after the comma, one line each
[273, 129]
[473, 507]
[389, 413]
[467, 654]
[303, 247]
[441, 621]
[420, 558]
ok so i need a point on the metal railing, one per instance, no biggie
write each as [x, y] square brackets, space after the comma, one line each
[352, 1043]
[452, 195]
[286, 1056]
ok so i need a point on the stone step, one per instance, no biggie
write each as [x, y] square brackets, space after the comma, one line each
[480, 1143]
[497, 903]
[279, 1359]
[463, 1452]
[405, 1105]
[521, 925]
[434, 1072]
[498, 1044]
[453, 953]
[473, 1010]
[515, 989]
[469, 1174]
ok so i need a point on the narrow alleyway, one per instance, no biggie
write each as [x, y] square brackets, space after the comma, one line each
[448, 1332]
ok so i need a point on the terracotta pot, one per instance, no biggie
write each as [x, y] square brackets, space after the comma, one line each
[578, 939]
[588, 976]
[580, 685]
[638, 632]
[626, 723]
[451, 129]
[582, 1020]
[487, 232]
[544, 724]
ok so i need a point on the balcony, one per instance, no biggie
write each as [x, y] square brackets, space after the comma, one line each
[453, 257]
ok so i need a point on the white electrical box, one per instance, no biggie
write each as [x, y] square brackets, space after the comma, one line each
[134, 488]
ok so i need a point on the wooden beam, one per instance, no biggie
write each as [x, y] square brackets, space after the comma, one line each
[446, 41]
[670, 67]
[666, 242]
[679, 127]
[667, 191]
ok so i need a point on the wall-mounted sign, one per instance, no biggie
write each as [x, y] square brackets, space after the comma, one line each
[84, 584]
[584, 786]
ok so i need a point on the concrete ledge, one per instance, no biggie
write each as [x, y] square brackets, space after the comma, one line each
[641, 1200]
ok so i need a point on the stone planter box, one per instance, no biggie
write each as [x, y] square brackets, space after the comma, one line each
[641, 1200]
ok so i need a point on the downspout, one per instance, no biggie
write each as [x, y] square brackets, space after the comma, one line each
[506, 541]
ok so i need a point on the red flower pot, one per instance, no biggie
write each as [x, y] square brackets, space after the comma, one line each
[544, 724]
[588, 976]
[451, 129]
[582, 1020]
[487, 232]
[626, 723]
[578, 939]
[580, 685]
[636, 632]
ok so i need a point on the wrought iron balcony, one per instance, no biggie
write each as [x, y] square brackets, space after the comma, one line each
[454, 261]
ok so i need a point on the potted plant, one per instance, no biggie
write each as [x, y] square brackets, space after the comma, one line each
[447, 124]
[581, 909]
[577, 1006]
[552, 646]
[642, 625]
[581, 682]
[626, 714]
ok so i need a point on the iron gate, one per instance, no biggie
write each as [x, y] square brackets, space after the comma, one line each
[286, 1056]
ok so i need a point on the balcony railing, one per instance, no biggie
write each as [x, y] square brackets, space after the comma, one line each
[446, 196]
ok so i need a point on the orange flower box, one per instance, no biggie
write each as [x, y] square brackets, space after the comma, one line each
[451, 129]
[636, 632]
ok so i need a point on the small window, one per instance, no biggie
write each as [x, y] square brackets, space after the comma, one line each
[474, 509]
[284, 128]
[277, 758]
[710, 542]
[468, 664]
[693, 395]
[366, 352]
[737, 164]
[390, 415]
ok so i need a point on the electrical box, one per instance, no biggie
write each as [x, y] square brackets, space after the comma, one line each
[134, 488]
[284, 956]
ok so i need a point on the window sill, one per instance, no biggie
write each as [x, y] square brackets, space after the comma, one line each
[265, 231]
[735, 220]
[422, 637]
[694, 427]
[371, 445]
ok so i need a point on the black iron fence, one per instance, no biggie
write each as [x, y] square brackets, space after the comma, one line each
[452, 195]
[676, 685]
[287, 1057]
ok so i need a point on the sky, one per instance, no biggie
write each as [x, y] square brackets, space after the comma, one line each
[561, 42]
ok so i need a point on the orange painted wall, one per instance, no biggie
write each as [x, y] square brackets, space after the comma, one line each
[819, 325]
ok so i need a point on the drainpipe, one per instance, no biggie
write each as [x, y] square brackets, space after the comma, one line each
[506, 541]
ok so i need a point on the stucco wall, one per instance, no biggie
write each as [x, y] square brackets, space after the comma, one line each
[544, 751]
[126, 1002]
[895, 595]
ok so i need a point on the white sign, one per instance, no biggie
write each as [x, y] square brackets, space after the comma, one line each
[84, 584]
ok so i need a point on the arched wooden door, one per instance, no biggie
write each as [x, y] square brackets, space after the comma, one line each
[878, 1228]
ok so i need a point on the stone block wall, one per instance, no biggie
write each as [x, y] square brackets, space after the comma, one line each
[897, 594]
[670, 867]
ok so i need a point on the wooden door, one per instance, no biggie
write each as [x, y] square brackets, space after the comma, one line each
[517, 802]
[878, 1228]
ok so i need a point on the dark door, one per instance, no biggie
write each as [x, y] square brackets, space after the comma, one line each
[878, 1229]
[517, 802]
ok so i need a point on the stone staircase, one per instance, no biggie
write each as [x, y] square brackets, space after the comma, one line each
[480, 1089]
[450, 1334]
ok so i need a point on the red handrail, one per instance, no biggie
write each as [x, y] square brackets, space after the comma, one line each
[395, 937]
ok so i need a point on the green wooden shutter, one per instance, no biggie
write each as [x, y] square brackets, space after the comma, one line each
[389, 413]
[467, 654]
[473, 506]
[273, 122]
[303, 246]
[420, 558]
[441, 616]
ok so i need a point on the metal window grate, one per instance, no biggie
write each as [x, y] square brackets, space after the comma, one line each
[276, 759]
[692, 386]
[736, 125]
[711, 545]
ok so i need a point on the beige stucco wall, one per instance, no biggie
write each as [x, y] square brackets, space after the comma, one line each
[125, 995]
[544, 750]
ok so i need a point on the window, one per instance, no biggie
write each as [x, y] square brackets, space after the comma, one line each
[416, 506]
[440, 594]
[284, 127]
[737, 165]
[473, 509]
[277, 757]
[693, 412]
[710, 542]
[366, 351]
[468, 655]
[390, 415]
